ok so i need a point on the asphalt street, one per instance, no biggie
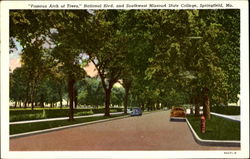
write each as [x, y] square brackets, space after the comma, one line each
[153, 131]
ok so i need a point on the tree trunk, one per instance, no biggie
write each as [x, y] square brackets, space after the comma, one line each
[71, 83]
[60, 95]
[157, 105]
[42, 101]
[32, 105]
[25, 104]
[191, 110]
[206, 107]
[107, 102]
[15, 104]
[75, 97]
[197, 107]
[61, 105]
[126, 100]
[206, 104]
[143, 106]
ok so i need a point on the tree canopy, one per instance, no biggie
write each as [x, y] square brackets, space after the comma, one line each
[161, 57]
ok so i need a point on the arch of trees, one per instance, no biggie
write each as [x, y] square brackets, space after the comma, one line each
[160, 57]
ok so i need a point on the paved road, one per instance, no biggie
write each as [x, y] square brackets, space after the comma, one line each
[152, 131]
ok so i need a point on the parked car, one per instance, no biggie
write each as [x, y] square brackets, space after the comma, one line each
[177, 113]
[136, 112]
[165, 108]
[129, 110]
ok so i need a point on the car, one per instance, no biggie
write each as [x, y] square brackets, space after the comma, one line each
[165, 108]
[129, 110]
[177, 113]
[136, 111]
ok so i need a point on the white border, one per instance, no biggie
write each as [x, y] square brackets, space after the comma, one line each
[5, 153]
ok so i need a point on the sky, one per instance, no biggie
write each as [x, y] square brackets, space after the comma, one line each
[15, 61]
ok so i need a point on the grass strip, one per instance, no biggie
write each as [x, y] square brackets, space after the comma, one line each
[28, 127]
[217, 128]
[22, 115]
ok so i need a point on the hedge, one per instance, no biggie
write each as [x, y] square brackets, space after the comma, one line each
[20, 115]
[227, 110]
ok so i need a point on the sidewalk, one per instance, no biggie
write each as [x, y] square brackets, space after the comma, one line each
[231, 117]
[61, 118]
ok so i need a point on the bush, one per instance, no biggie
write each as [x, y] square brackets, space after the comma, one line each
[113, 110]
[227, 110]
[84, 113]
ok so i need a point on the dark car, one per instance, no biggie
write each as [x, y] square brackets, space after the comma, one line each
[136, 112]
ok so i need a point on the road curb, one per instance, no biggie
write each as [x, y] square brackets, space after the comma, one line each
[229, 143]
[64, 127]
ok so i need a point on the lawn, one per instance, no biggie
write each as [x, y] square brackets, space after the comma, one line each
[22, 128]
[38, 113]
[217, 128]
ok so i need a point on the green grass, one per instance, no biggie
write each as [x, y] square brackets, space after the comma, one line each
[217, 128]
[22, 128]
[28, 114]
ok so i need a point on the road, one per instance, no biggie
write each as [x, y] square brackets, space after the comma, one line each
[151, 131]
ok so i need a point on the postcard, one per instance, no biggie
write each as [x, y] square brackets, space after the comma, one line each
[124, 79]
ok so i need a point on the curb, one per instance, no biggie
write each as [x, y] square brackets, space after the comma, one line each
[230, 143]
[64, 127]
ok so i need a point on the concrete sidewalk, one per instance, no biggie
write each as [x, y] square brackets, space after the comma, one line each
[231, 117]
[61, 118]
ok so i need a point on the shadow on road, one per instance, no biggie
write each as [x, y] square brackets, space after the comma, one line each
[178, 120]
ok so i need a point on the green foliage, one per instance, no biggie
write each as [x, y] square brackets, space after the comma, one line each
[91, 92]
[20, 115]
[159, 56]
[84, 113]
[18, 84]
[117, 96]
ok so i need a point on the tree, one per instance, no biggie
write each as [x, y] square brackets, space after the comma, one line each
[107, 50]
[91, 92]
[117, 96]
[178, 55]
[59, 30]
[18, 85]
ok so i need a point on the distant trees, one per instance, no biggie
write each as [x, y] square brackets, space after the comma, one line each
[160, 57]
[91, 92]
